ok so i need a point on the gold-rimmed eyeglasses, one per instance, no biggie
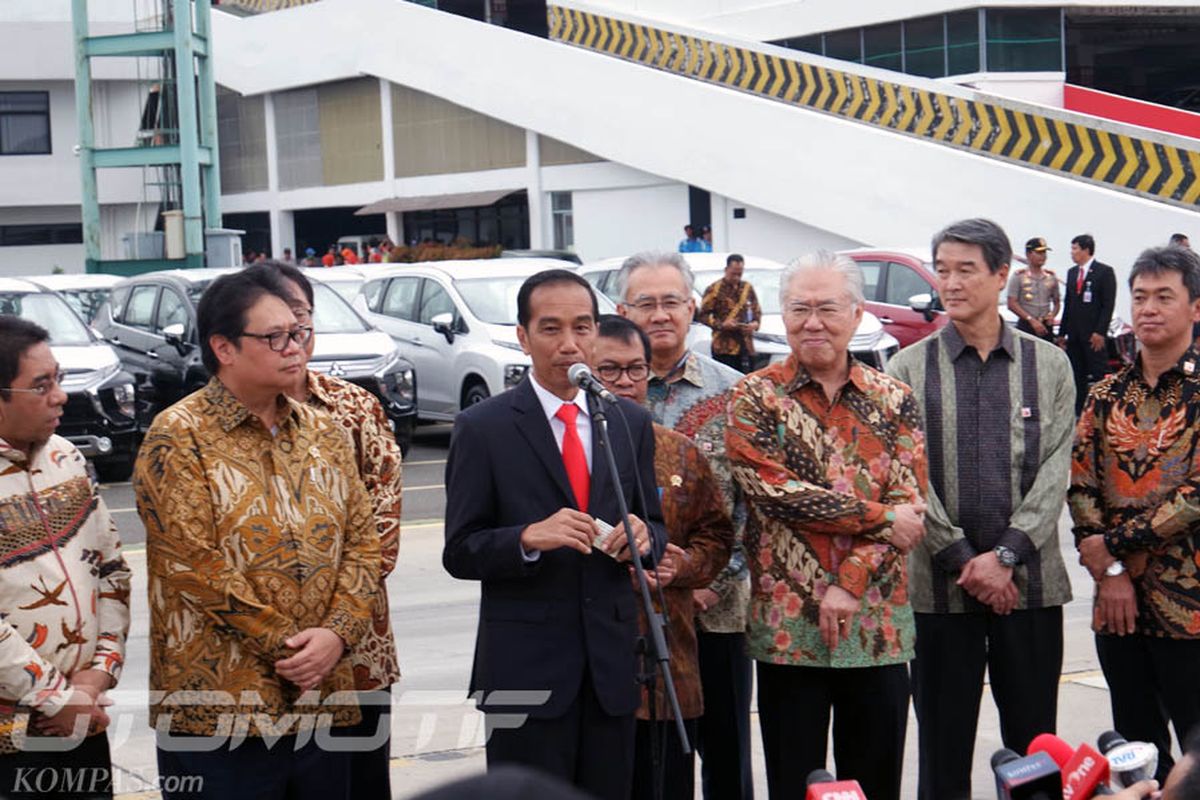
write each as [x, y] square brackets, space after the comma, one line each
[44, 387]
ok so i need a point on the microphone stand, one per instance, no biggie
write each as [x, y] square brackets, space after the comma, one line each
[654, 621]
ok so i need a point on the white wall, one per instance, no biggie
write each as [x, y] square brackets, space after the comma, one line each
[618, 222]
[41, 260]
[762, 233]
[1043, 88]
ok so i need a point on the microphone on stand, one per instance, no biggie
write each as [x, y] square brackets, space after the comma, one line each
[580, 375]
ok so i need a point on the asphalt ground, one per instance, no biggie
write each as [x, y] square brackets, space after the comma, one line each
[436, 734]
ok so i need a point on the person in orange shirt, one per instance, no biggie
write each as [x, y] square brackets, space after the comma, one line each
[329, 257]
[349, 256]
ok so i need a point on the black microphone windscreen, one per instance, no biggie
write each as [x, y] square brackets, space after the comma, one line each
[1003, 756]
[1108, 740]
[820, 776]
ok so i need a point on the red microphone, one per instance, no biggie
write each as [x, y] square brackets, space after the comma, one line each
[1084, 770]
[823, 786]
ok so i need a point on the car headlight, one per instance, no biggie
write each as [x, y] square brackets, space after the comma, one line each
[125, 397]
[513, 374]
[401, 383]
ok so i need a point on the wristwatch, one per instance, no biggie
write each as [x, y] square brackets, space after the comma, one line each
[1114, 569]
[1005, 555]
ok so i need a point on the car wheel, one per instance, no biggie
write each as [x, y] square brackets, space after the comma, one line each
[476, 392]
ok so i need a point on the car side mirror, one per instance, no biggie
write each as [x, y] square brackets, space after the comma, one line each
[174, 334]
[444, 324]
[922, 303]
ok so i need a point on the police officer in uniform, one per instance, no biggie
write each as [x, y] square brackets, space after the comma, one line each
[1033, 293]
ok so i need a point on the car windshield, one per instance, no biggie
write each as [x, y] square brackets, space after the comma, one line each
[86, 302]
[48, 310]
[347, 288]
[764, 281]
[494, 300]
[332, 314]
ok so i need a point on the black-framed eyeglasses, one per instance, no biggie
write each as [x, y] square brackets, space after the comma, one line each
[278, 341]
[44, 387]
[612, 373]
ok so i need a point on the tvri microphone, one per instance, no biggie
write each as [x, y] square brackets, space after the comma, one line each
[580, 375]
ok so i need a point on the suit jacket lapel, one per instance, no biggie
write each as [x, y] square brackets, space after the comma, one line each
[533, 425]
[601, 481]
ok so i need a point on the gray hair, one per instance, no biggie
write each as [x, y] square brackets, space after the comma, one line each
[1172, 258]
[823, 259]
[991, 238]
[653, 258]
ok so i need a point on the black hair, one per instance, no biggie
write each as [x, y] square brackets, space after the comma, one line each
[732, 257]
[17, 336]
[223, 306]
[1179, 238]
[990, 237]
[1085, 242]
[291, 273]
[1157, 260]
[550, 277]
[613, 326]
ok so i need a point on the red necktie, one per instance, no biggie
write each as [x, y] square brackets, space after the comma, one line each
[1079, 282]
[574, 458]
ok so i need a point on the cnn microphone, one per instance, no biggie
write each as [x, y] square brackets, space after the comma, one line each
[1129, 762]
[823, 786]
[1084, 770]
[579, 375]
[1034, 777]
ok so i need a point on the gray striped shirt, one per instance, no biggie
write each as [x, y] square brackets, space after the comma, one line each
[998, 440]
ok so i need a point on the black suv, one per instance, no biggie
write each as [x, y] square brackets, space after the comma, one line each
[150, 320]
[99, 415]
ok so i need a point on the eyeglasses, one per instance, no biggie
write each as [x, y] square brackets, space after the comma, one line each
[648, 305]
[44, 387]
[278, 341]
[824, 311]
[612, 373]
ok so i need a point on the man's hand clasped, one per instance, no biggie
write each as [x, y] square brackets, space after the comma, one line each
[569, 527]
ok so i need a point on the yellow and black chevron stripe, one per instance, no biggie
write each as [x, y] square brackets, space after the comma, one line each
[1161, 172]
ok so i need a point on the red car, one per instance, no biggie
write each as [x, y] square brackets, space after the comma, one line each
[891, 278]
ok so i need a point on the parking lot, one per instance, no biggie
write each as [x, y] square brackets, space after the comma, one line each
[436, 735]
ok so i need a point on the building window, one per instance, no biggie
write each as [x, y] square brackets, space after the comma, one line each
[1024, 39]
[564, 220]
[925, 47]
[24, 123]
[962, 43]
[28, 235]
[844, 45]
[881, 47]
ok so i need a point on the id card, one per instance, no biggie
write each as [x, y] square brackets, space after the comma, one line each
[1087, 296]
[606, 533]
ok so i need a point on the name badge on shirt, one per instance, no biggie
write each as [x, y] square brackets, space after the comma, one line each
[1087, 295]
[1026, 412]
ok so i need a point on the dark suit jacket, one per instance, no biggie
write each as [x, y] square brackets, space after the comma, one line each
[1079, 319]
[543, 624]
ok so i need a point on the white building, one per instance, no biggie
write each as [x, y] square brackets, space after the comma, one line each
[457, 128]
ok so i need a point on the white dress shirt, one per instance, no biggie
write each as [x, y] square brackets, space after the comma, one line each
[583, 421]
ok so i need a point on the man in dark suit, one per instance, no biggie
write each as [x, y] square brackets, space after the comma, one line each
[526, 478]
[1087, 310]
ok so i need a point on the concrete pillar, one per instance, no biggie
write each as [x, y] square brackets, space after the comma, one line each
[538, 222]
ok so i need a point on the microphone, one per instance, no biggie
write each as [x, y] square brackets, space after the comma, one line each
[1084, 770]
[1130, 762]
[823, 786]
[580, 375]
[1034, 777]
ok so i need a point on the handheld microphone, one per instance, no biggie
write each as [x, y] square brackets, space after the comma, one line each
[1034, 777]
[823, 786]
[1129, 762]
[580, 375]
[1084, 770]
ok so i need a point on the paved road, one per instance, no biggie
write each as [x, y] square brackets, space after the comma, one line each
[436, 735]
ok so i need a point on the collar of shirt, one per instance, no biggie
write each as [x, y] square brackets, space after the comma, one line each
[1087, 266]
[796, 375]
[955, 346]
[231, 412]
[583, 422]
[1186, 368]
[13, 454]
[686, 368]
[316, 389]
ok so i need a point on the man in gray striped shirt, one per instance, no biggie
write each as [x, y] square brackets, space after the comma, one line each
[988, 582]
